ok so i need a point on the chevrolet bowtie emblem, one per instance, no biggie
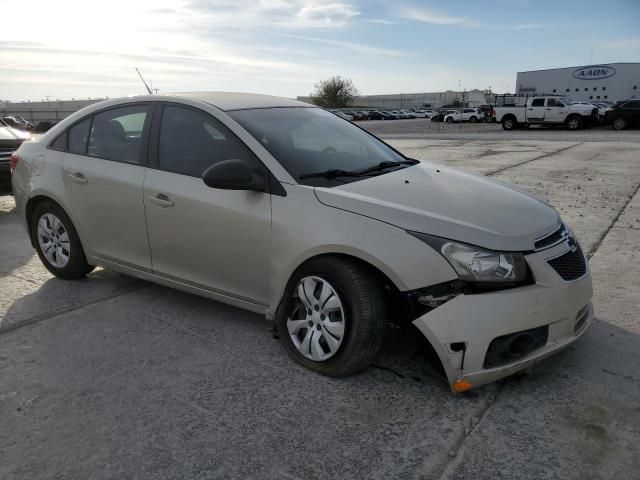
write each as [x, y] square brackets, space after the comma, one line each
[573, 245]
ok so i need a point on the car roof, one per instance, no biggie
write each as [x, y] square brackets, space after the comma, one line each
[239, 101]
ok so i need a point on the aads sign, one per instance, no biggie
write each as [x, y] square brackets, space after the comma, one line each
[594, 72]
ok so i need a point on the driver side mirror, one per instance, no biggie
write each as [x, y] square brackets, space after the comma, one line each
[233, 175]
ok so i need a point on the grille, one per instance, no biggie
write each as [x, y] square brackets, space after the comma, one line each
[5, 153]
[551, 239]
[571, 265]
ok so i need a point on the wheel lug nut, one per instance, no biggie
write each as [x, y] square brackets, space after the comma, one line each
[316, 307]
[310, 323]
[322, 316]
[318, 327]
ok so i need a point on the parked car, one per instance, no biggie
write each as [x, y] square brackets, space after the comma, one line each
[423, 113]
[342, 115]
[393, 115]
[378, 115]
[623, 114]
[546, 110]
[439, 116]
[17, 122]
[283, 209]
[354, 115]
[10, 140]
[472, 115]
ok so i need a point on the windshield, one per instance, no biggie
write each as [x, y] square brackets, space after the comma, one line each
[311, 140]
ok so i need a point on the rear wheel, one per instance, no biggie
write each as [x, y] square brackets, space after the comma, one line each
[473, 119]
[619, 123]
[574, 122]
[332, 317]
[57, 242]
[509, 123]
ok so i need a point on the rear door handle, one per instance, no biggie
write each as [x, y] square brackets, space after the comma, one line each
[162, 200]
[78, 177]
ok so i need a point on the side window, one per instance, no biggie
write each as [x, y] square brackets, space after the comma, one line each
[192, 141]
[551, 102]
[116, 134]
[78, 137]
[538, 102]
[60, 143]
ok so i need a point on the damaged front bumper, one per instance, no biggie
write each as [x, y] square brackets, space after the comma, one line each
[462, 329]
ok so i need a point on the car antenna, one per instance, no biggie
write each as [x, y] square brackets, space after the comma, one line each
[145, 83]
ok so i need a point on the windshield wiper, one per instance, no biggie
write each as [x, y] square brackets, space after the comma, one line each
[386, 164]
[331, 173]
[338, 172]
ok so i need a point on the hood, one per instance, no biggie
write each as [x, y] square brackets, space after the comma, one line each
[582, 109]
[9, 133]
[448, 203]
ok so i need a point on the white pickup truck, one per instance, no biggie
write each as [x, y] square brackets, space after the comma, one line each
[544, 110]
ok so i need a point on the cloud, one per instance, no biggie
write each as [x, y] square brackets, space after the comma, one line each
[382, 21]
[328, 15]
[356, 47]
[428, 15]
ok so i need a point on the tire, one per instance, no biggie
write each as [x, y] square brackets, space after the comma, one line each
[574, 122]
[352, 344]
[51, 226]
[619, 123]
[509, 123]
[449, 120]
[473, 119]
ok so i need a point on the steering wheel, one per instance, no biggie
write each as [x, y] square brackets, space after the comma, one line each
[329, 151]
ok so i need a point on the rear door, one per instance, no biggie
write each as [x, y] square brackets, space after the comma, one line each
[104, 169]
[536, 110]
[209, 238]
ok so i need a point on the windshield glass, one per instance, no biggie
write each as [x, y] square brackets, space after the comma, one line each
[311, 140]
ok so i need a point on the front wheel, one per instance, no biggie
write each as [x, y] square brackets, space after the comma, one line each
[332, 317]
[449, 120]
[473, 119]
[57, 242]
[619, 123]
[574, 123]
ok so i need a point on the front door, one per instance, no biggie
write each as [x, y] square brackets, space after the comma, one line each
[556, 111]
[103, 172]
[215, 239]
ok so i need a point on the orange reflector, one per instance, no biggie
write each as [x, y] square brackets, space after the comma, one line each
[462, 386]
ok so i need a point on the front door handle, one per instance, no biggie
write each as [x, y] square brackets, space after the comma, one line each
[78, 177]
[162, 200]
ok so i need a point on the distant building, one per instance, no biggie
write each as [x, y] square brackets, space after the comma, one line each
[610, 82]
[47, 111]
[470, 98]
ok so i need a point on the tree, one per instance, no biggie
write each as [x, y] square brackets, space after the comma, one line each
[334, 92]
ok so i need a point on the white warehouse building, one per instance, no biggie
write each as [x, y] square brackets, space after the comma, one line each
[610, 82]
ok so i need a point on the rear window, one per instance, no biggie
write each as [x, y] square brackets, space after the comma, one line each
[60, 143]
[538, 102]
[78, 137]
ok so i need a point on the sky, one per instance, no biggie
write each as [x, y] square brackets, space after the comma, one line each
[85, 48]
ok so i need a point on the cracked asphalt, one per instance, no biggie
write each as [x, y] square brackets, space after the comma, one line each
[111, 377]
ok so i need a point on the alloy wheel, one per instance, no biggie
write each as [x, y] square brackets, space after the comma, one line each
[619, 123]
[317, 322]
[53, 240]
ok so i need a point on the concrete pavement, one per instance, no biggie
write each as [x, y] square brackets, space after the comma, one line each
[110, 377]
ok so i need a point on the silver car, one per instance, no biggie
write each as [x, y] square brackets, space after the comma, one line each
[289, 211]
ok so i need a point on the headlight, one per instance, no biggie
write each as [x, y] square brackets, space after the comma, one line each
[476, 264]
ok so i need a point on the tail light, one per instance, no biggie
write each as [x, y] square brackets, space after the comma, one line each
[13, 161]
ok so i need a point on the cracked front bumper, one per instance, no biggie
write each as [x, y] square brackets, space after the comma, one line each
[477, 319]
